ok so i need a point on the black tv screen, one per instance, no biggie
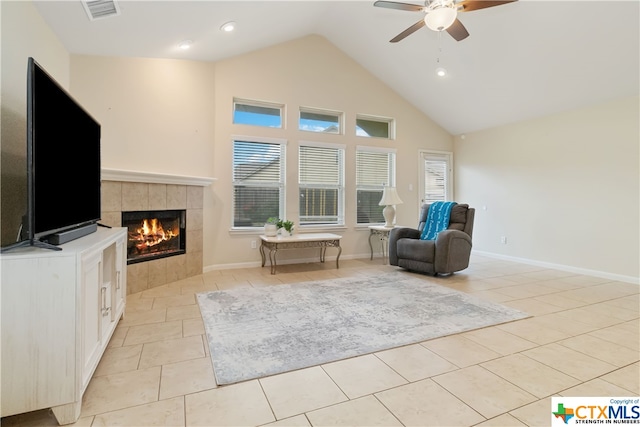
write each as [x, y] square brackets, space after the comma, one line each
[63, 158]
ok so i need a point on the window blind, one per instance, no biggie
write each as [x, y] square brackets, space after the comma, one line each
[258, 181]
[435, 177]
[321, 184]
[374, 169]
[320, 165]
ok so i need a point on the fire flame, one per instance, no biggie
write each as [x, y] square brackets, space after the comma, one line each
[151, 233]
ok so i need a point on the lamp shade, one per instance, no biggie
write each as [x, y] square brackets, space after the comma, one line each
[390, 197]
[441, 18]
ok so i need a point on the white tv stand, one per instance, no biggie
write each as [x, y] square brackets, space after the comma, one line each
[59, 311]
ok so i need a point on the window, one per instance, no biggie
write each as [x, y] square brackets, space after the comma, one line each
[321, 184]
[257, 113]
[374, 127]
[375, 168]
[437, 184]
[258, 181]
[314, 120]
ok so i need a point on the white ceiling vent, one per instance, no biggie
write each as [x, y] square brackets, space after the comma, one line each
[98, 9]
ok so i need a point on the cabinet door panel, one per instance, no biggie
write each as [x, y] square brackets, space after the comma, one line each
[121, 278]
[91, 319]
[37, 320]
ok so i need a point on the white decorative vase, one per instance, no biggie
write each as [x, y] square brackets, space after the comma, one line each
[270, 230]
[284, 233]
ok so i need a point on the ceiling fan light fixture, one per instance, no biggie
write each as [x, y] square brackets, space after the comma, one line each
[441, 17]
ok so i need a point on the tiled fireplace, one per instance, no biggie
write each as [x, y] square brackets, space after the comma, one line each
[124, 191]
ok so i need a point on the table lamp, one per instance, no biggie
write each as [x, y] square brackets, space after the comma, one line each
[389, 198]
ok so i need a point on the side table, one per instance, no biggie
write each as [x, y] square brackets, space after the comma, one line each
[299, 241]
[381, 232]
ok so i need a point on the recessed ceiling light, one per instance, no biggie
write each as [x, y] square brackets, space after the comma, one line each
[441, 72]
[227, 27]
[185, 44]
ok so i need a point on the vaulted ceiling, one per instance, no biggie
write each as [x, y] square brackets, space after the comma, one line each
[522, 60]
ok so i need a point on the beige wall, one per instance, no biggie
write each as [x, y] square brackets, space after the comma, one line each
[157, 115]
[311, 72]
[23, 33]
[563, 189]
[175, 117]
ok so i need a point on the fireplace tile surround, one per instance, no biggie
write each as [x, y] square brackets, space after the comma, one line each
[119, 196]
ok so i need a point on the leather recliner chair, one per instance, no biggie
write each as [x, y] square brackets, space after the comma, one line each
[448, 253]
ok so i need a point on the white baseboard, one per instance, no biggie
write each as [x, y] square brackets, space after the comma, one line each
[561, 267]
[253, 264]
[216, 267]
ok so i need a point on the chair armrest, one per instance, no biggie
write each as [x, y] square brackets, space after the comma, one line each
[445, 236]
[397, 234]
[404, 233]
[453, 250]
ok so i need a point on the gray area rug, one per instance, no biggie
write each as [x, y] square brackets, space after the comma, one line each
[257, 332]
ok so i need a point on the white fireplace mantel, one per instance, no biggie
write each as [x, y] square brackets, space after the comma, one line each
[154, 178]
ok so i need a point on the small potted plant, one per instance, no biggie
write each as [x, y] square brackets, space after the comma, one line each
[286, 228]
[271, 227]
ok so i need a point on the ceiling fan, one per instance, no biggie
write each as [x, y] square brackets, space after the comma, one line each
[440, 15]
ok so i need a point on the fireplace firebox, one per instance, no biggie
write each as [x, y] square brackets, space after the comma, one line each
[154, 234]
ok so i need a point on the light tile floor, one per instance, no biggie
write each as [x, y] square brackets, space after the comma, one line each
[583, 340]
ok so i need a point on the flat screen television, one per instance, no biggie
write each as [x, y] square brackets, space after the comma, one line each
[63, 164]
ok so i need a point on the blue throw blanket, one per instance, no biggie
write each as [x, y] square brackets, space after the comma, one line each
[437, 219]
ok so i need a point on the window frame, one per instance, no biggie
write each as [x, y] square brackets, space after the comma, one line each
[341, 148]
[281, 184]
[260, 104]
[311, 110]
[390, 121]
[390, 179]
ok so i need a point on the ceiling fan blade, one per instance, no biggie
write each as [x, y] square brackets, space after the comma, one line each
[412, 29]
[470, 5]
[457, 30]
[399, 6]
